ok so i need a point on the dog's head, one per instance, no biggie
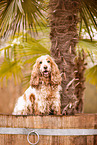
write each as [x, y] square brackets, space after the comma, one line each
[47, 68]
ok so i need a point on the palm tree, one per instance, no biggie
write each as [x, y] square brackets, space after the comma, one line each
[64, 18]
[65, 15]
[18, 18]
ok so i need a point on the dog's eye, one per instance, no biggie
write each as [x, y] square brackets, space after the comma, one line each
[48, 61]
[40, 62]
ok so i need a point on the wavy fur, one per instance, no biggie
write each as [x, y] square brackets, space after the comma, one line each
[42, 97]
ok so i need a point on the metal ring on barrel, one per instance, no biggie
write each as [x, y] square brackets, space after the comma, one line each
[35, 133]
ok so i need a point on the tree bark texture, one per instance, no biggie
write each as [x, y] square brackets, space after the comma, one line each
[64, 37]
[80, 67]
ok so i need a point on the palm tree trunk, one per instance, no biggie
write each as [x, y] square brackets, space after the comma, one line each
[79, 80]
[64, 37]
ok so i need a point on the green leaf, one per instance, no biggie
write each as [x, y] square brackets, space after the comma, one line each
[91, 75]
[26, 80]
[9, 69]
[18, 53]
[20, 48]
[31, 60]
[16, 15]
[87, 44]
[90, 47]
[88, 14]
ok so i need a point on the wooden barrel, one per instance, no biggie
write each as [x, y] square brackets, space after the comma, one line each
[80, 129]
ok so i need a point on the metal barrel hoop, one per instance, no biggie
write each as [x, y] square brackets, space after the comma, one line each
[35, 133]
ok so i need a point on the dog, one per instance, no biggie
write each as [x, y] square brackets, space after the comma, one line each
[43, 95]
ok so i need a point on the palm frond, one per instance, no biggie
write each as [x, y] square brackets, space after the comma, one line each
[91, 75]
[10, 68]
[90, 47]
[19, 47]
[31, 60]
[88, 14]
[26, 80]
[18, 14]
[87, 44]
[18, 54]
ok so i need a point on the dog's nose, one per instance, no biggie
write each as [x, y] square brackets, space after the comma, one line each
[45, 67]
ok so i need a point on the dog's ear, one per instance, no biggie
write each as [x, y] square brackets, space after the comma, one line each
[55, 74]
[35, 76]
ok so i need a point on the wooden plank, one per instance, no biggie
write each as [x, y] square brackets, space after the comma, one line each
[80, 121]
[95, 127]
[90, 140]
[77, 121]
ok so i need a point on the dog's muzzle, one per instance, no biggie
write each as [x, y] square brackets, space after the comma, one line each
[46, 73]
